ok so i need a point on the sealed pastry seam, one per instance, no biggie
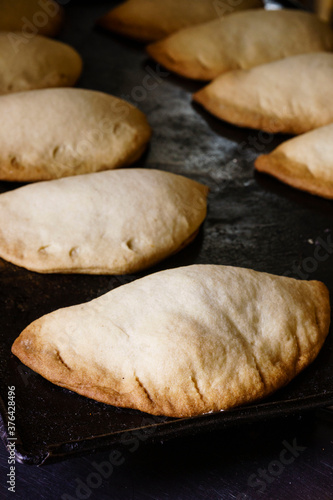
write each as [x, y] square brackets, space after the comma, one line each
[112, 222]
[41, 63]
[259, 98]
[149, 20]
[90, 131]
[304, 162]
[241, 40]
[184, 341]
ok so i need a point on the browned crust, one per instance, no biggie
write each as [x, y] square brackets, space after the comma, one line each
[120, 21]
[51, 367]
[146, 136]
[30, 350]
[22, 173]
[324, 311]
[141, 264]
[159, 52]
[323, 320]
[16, 172]
[278, 165]
[247, 118]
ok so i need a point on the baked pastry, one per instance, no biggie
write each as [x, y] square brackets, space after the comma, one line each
[51, 133]
[149, 20]
[182, 342]
[31, 17]
[38, 64]
[292, 95]
[305, 162]
[241, 41]
[113, 222]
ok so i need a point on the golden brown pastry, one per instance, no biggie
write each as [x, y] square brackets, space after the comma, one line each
[184, 341]
[51, 133]
[149, 20]
[292, 95]
[305, 162]
[112, 222]
[41, 63]
[241, 41]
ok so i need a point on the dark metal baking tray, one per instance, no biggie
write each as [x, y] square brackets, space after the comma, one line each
[253, 221]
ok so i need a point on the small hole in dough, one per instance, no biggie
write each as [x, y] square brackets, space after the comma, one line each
[117, 128]
[43, 249]
[74, 252]
[55, 151]
[129, 244]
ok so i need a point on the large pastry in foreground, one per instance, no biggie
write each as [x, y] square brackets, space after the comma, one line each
[112, 222]
[293, 95]
[241, 41]
[40, 63]
[184, 341]
[304, 162]
[149, 20]
[51, 133]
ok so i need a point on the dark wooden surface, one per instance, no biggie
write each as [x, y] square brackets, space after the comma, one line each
[253, 221]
